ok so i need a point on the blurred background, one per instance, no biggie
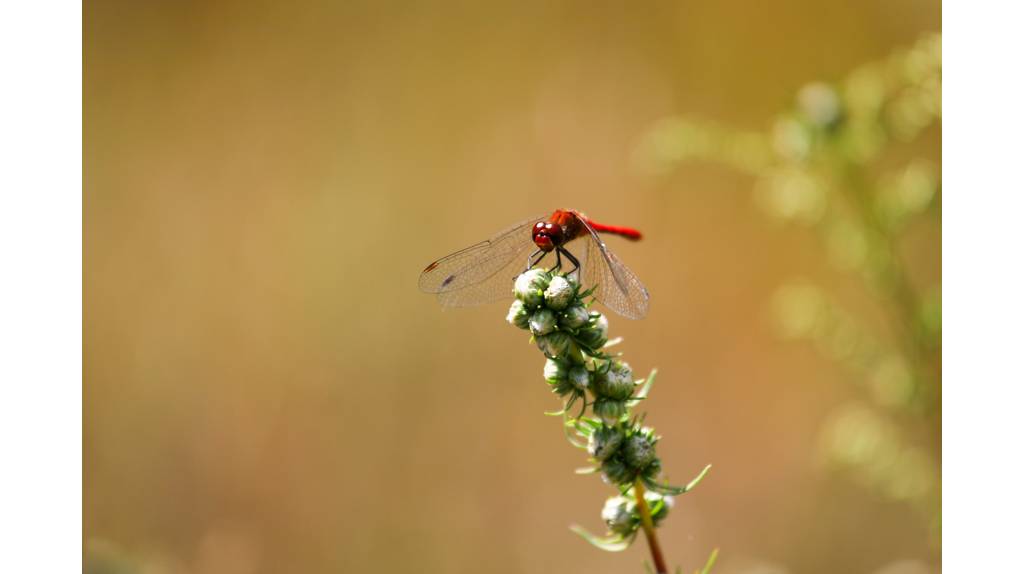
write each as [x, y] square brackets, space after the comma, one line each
[265, 390]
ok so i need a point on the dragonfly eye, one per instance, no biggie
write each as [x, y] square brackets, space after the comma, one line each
[554, 231]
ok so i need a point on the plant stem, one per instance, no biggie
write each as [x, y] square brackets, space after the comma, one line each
[648, 526]
[901, 295]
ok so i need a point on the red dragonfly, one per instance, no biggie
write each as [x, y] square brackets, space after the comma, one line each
[483, 273]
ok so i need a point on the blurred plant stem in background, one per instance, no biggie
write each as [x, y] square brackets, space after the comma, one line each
[828, 164]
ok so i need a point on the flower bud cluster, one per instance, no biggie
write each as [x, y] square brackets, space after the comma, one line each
[573, 338]
[625, 453]
[554, 310]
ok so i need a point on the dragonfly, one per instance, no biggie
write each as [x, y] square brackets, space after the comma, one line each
[484, 272]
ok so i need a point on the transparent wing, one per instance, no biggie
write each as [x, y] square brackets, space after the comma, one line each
[617, 287]
[481, 273]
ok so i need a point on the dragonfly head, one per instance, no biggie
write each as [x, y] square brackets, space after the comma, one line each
[548, 235]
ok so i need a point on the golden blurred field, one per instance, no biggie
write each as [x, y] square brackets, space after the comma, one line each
[265, 390]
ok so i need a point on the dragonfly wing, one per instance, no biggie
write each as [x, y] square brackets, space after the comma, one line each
[481, 273]
[497, 288]
[617, 287]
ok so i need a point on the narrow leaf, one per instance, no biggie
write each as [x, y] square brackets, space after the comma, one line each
[663, 489]
[669, 490]
[711, 562]
[608, 544]
[699, 478]
[648, 383]
[567, 424]
[612, 342]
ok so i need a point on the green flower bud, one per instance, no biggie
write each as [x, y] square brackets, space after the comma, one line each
[555, 371]
[616, 471]
[518, 315]
[618, 514]
[574, 317]
[542, 322]
[609, 410]
[652, 470]
[559, 293]
[554, 344]
[557, 374]
[595, 333]
[638, 451]
[604, 442]
[529, 287]
[615, 383]
[579, 376]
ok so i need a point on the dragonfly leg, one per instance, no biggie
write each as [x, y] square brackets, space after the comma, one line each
[530, 263]
[569, 256]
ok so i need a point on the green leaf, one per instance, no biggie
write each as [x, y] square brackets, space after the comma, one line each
[697, 480]
[669, 490]
[656, 506]
[663, 489]
[568, 423]
[614, 543]
[646, 388]
[711, 562]
[583, 431]
[587, 470]
[612, 342]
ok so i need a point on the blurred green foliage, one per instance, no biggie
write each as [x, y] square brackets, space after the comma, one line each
[843, 163]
